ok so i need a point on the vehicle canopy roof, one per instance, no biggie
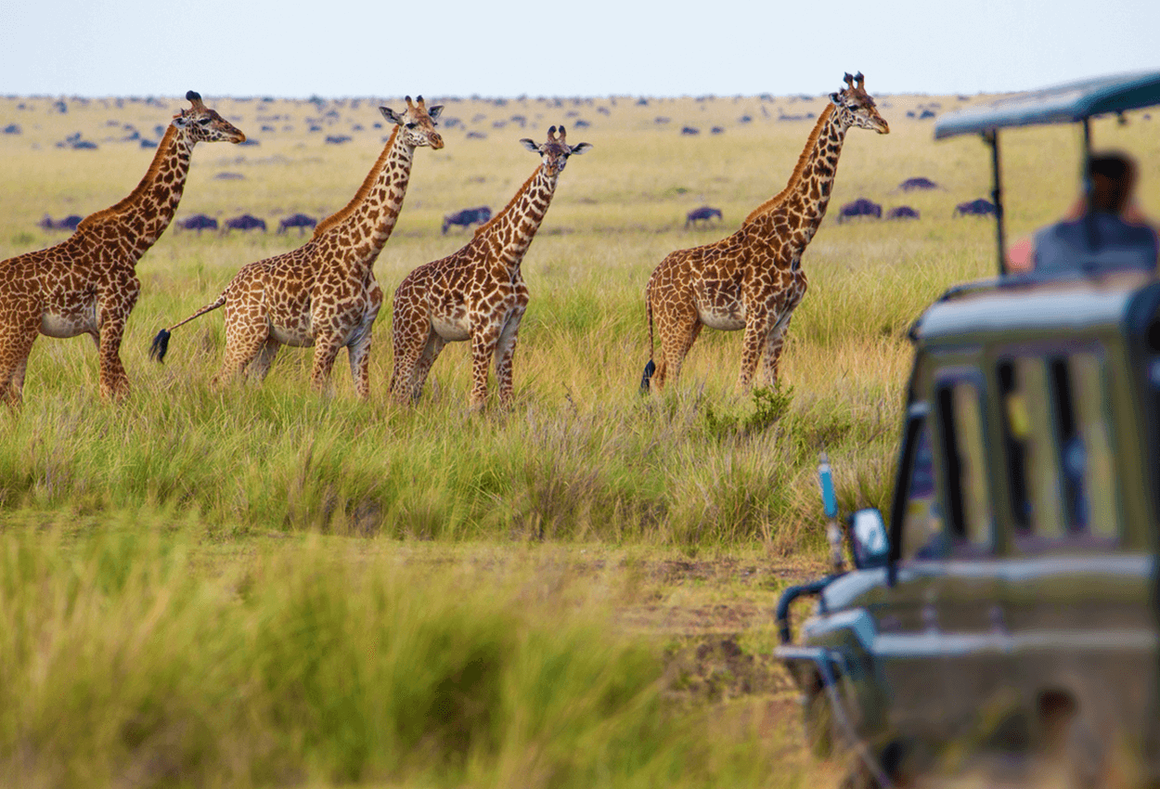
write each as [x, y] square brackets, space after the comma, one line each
[1070, 103]
[1075, 102]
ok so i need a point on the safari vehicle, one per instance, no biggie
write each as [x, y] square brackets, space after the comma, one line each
[1009, 607]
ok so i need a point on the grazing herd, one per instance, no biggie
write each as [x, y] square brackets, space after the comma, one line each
[869, 209]
[324, 294]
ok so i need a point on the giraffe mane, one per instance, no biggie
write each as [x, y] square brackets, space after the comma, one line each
[774, 201]
[338, 216]
[146, 181]
[519, 193]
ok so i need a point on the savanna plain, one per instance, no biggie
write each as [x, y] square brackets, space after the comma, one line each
[265, 586]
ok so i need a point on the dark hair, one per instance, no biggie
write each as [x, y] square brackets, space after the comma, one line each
[1110, 181]
[1110, 165]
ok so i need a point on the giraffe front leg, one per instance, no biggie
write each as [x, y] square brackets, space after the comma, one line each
[483, 345]
[114, 381]
[113, 313]
[773, 348]
[325, 352]
[359, 347]
[752, 345]
[505, 351]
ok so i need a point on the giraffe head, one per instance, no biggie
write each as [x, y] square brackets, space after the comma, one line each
[556, 150]
[855, 107]
[417, 122]
[201, 124]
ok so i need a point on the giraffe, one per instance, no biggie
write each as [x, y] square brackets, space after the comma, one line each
[323, 293]
[752, 279]
[477, 293]
[87, 283]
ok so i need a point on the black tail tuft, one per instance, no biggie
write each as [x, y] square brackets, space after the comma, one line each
[160, 346]
[649, 369]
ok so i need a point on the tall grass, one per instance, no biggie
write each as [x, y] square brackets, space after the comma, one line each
[122, 663]
[581, 456]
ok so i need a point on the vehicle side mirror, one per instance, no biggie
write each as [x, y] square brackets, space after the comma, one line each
[869, 541]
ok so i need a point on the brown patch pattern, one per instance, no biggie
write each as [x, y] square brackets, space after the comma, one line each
[752, 279]
[324, 293]
[87, 284]
[478, 293]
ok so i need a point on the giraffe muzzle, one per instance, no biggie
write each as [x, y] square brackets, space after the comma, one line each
[436, 142]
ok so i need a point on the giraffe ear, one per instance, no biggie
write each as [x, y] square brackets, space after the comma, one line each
[530, 145]
[391, 115]
[835, 98]
[580, 148]
[435, 111]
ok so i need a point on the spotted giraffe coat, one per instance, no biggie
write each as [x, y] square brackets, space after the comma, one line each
[752, 279]
[87, 284]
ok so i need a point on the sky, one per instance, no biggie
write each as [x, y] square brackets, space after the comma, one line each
[509, 48]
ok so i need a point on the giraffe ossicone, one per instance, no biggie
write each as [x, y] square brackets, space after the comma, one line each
[477, 293]
[752, 279]
[87, 284]
[324, 293]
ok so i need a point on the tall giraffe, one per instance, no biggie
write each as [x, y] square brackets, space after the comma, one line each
[753, 280]
[478, 293]
[87, 283]
[324, 293]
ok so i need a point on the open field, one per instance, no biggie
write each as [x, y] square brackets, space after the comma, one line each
[662, 528]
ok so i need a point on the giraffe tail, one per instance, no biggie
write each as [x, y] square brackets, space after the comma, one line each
[160, 344]
[651, 367]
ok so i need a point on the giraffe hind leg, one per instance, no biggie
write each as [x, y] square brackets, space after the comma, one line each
[677, 338]
[259, 368]
[435, 345]
[15, 347]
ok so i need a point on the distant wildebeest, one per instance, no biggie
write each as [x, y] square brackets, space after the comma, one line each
[917, 183]
[690, 131]
[978, 207]
[702, 214]
[70, 222]
[198, 222]
[902, 212]
[300, 221]
[860, 207]
[466, 218]
[244, 222]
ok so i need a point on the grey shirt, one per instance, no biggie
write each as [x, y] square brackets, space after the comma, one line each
[1094, 242]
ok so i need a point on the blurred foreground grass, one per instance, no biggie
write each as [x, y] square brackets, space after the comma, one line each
[139, 655]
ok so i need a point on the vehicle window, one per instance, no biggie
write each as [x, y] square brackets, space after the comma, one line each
[1094, 456]
[923, 533]
[961, 427]
[1059, 450]
[1029, 416]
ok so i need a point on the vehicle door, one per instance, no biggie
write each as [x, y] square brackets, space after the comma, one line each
[936, 645]
[1079, 603]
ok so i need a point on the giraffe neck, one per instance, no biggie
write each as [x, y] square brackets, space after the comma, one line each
[367, 221]
[139, 220]
[510, 232]
[798, 210]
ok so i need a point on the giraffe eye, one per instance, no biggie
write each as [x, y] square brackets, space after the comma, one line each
[411, 124]
[204, 121]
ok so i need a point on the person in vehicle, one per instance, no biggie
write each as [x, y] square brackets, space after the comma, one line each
[1103, 231]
